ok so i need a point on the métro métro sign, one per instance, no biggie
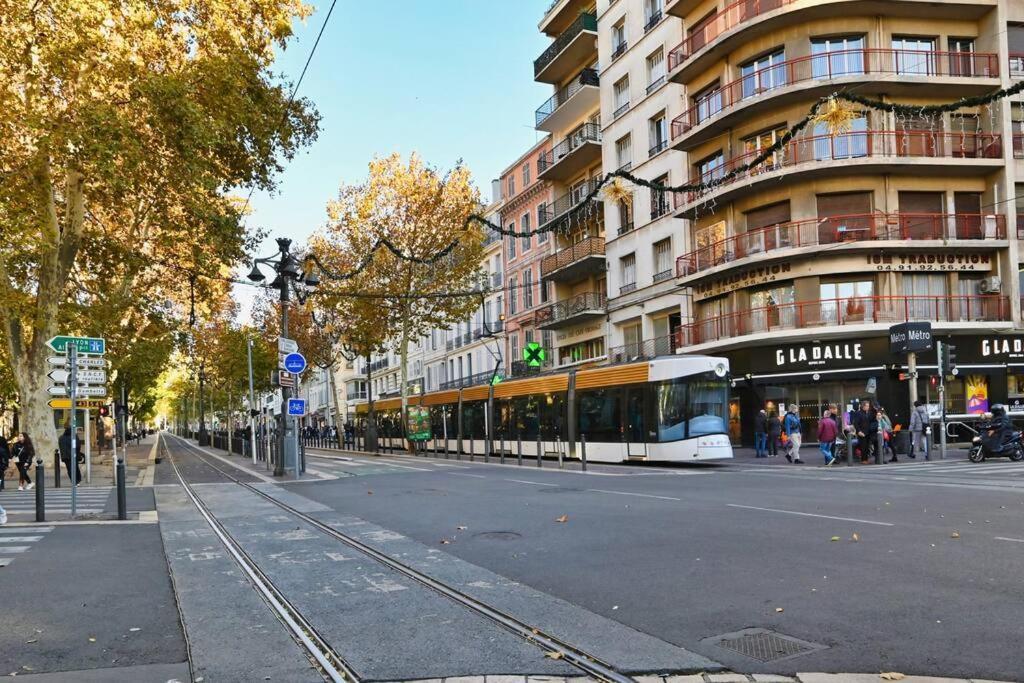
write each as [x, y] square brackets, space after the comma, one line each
[907, 337]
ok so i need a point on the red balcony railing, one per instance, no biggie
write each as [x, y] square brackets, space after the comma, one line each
[856, 311]
[842, 63]
[846, 146]
[718, 23]
[841, 229]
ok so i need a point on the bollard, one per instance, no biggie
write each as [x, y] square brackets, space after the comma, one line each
[122, 504]
[447, 455]
[849, 449]
[561, 465]
[501, 453]
[56, 468]
[583, 452]
[519, 449]
[880, 448]
[540, 452]
[40, 496]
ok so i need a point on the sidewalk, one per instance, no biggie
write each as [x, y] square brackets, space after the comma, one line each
[811, 455]
[722, 678]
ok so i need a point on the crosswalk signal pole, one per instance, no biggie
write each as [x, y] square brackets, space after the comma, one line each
[940, 352]
[72, 352]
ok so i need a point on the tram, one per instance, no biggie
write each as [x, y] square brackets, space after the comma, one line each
[672, 409]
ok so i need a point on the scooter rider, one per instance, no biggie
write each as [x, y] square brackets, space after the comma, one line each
[999, 429]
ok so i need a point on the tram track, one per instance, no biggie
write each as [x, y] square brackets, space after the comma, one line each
[328, 661]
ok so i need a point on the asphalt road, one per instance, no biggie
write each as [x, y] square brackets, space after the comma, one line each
[904, 568]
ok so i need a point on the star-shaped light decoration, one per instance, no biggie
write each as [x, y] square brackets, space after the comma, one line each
[837, 116]
[617, 191]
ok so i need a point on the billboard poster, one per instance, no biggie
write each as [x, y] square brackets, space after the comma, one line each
[417, 423]
[977, 394]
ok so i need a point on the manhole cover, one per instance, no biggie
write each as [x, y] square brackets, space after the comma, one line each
[763, 645]
[498, 535]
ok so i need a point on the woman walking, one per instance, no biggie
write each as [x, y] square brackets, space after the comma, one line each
[24, 452]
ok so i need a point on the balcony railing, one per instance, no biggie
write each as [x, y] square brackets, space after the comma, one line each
[620, 50]
[592, 246]
[644, 350]
[855, 311]
[355, 395]
[467, 381]
[580, 304]
[715, 25]
[838, 64]
[847, 146]
[627, 288]
[584, 22]
[585, 78]
[568, 201]
[831, 230]
[379, 365]
[628, 226]
[653, 21]
[657, 148]
[588, 132]
[490, 237]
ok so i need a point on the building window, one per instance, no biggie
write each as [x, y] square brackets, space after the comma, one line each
[961, 58]
[659, 198]
[526, 174]
[754, 145]
[627, 273]
[619, 43]
[763, 74]
[527, 289]
[655, 70]
[663, 259]
[839, 56]
[711, 168]
[915, 56]
[1017, 122]
[620, 98]
[513, 340]
[625, 217]
[545, 292]
[513, 287]
[847, 301]
[657, 133]
[583, 351]
[542, 210]
[511, 185]
[845, 145]
[707, 102]
[524, 226]
[624, 152]
[512, 241]
[652, 14]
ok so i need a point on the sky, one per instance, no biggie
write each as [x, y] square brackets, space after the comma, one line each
[448, 79]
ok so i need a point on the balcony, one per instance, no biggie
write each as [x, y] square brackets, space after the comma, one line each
[377, 365]
[572, 155]
[843, 230]
[576, 262]
[571, 103]
[873, 150]
[644, 350]
[491, 237]
[816, 75]
[558, 209]
[520, 368]
[560, 15]
[355, 395]
[813, 315]
[580, 308]
[467, 381]
[653, 21]
[574, 46]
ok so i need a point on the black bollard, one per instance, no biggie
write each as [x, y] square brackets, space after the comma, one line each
[122, 504]
[519, 449]
[583, 452]
[561, 464]
[40, 496]
[501, 453]
[540, 452]
[56, 468]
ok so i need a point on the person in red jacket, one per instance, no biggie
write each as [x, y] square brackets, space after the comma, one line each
[827, 434]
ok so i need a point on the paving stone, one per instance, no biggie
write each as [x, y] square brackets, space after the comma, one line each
[727, 678]
[772, 678]
[840, 678]
[506, 679]
[465, 679]
[648, 679]
[696, 678]
[545, 679]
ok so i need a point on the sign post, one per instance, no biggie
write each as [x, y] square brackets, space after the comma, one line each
[72, 351]
[942, 400]
[296, 409]
[909, 338]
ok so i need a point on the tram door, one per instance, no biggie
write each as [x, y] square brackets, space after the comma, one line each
[633, 425]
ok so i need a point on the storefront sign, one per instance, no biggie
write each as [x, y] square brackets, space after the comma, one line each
[575, 332]
[817, 355]
[910, 337]
[743, 278]
[1002, 347]
[925, 262]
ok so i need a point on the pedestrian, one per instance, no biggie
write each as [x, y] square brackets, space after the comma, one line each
[5, 460]
[791, 428]
[865, 426]
[761, 434]
[23, 451]
[919, 430]
[350, 434]
[827, 435]
[64, 446]
[837, 419]
[885, 427]
[774, 434]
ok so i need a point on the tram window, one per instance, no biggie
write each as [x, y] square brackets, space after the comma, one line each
[707, 407]
[672, 411]
[599, 415]
[473, 420]
[552, 417]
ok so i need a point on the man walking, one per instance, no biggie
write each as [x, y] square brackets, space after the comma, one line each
[865, 425]
[761, 434]
[66, 456]
[791, 426]
[827, 435]
[918, 430]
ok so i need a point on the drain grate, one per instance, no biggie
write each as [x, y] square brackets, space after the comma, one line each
[764, 645]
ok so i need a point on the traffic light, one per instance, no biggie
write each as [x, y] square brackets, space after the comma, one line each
[104, 411]
[949, 359]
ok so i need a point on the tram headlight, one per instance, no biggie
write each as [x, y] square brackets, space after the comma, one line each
[721, 370]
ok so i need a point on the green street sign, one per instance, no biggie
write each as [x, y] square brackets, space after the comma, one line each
[534, 354]
[93, 345]
[496, 380]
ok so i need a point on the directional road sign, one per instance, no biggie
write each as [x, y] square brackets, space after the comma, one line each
[81, 391]
[534, 354]
[84, 376]
[81, 404]
[93, 345]
[286, 345]
[83, 362]
[295, 363]
[297, 407]
[282, 378]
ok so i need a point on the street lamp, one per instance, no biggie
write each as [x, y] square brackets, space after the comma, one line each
[291, 277]
[204, 436]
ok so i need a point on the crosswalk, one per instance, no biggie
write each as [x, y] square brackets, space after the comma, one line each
[90, 500]
[997, 473]
[15, 541]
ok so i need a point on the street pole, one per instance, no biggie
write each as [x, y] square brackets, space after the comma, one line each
[72, 351]
[942, 400]
[279, 465]
[203, 437]
[252, 407]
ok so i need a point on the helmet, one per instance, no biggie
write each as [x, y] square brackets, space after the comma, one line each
[998, 410]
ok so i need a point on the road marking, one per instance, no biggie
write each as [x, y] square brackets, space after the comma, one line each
[17, 548]
[639, 495]
[532, 483]
[16, 530]
[4, 561]
[809, 514]
[1012, 540]
[463, 474]
[20, 539]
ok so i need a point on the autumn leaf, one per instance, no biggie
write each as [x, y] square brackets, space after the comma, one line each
[461, 528]
[834, 539]
[955, 534]
[563, 518]
[855, 538]
[445, 541]
[778, 609]
[891, 676]
[553, 655]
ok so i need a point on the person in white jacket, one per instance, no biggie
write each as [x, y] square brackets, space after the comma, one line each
[918, 430]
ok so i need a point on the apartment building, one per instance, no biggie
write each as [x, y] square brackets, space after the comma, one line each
[575, 272]
[796, 268]
[527, 197]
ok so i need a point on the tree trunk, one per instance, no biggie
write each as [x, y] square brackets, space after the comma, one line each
[37, 414]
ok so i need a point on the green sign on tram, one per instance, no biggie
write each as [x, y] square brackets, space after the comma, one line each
[534, 355]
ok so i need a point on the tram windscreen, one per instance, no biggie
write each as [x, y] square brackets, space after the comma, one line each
[690, 407]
